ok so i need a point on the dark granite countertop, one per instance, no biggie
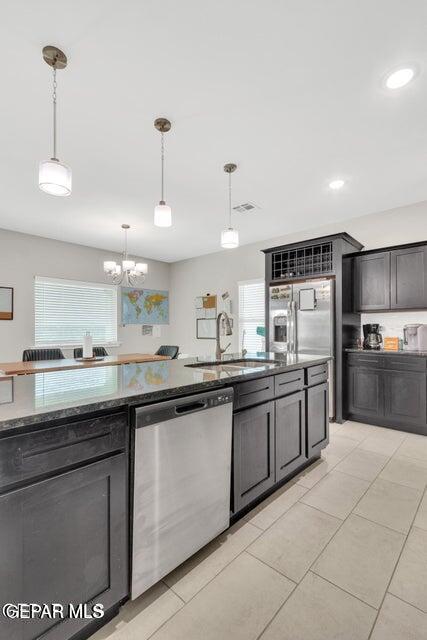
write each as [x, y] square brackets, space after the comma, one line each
[43, 397]
[400, 352]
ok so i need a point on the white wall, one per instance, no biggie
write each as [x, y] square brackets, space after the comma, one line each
[218, 272]
[23, 256]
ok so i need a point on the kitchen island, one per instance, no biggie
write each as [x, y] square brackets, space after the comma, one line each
[67, 455]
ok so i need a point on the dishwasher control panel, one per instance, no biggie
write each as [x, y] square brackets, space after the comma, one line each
[170, 409]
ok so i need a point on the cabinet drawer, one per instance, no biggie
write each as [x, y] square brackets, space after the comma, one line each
[366, 361]
[405, 363]
[34, 454]
[316, 374]
[288, 382]
[253, 392]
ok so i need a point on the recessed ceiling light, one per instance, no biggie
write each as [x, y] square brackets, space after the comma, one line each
[399, 78]
[336, 184]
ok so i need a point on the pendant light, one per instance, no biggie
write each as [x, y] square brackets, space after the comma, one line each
[230, 236]
[54, 176]
[127, 273]
[162, 211]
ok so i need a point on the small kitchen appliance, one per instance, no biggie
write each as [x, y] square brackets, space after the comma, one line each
[415, 337]
[372, 339]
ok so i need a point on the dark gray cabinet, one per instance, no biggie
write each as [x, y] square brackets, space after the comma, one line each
[253, 453]
[317, 419]
[63, 535]
[409, 278]
[372, 281]
[405, 397]
[395, 279]
[387, 390]
[290, 437]
[274, 439]
[365, 391]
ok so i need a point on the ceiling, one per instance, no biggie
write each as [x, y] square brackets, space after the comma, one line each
[289, 90]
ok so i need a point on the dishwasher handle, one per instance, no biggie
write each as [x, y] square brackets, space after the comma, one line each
[190, 407]
[168, 410]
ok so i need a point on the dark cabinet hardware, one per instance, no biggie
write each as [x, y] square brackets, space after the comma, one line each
[253, 392]
[288, 382]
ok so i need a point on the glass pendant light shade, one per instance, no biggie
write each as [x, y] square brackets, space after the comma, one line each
[110, 266]
[141, 268]
[229, 238]
[55, 178]
[162, 215]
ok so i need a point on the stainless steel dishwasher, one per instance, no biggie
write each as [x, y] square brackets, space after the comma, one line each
[181, 482]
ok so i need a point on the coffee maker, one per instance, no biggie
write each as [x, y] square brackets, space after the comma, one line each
[372, 339]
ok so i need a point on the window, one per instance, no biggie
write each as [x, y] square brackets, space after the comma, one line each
[65, 310]
[252, 314]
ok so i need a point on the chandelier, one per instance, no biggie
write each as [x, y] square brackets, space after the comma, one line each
[129, 272]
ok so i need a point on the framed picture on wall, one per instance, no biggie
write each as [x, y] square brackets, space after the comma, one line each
[6, 303]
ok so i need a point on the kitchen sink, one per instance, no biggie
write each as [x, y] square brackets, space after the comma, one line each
[232, 365]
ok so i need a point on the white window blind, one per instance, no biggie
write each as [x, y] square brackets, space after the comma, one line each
[66, 309]
[251, 314]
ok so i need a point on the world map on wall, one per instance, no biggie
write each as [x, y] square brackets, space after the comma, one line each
[145, 306]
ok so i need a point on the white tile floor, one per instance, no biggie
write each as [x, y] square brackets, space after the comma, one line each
[340, 553]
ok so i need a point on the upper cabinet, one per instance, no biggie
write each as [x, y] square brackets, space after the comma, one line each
[372, 282]
[409, 278]
[395, 279]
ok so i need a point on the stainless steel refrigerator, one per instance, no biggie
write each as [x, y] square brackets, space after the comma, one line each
[302, 321]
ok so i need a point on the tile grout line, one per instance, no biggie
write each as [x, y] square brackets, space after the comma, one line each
[414, 606]
[396, 564]
[262, 531]
[320, 553]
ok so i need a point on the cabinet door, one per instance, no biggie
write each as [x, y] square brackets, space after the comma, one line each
[65, 540]
[365, 393]
[372, 282]
[405, 398]
[409, 278]
[290, 434]
[253, 453]
[317, 419]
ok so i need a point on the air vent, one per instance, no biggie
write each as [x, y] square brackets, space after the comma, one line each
[246, 207]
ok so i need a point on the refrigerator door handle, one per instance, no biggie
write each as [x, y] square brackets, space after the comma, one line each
[288, 329]
[294, 326]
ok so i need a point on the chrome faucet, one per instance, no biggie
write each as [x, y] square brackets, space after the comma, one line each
[228, 332]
